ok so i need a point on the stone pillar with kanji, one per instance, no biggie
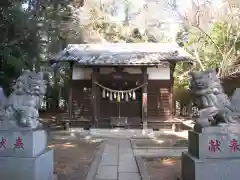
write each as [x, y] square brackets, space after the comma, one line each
[24, 154]
[213, 153]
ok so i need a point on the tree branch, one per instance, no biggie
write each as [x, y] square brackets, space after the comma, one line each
[234, 44]
[185, 73]
[210, 38]
[196, 53]
[14, 41]
[197, 26]
[224, 64]
[229, 27]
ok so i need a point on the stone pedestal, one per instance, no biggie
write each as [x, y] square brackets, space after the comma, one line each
[209, 169]
[213, 154]
[24, 155]
[34, 143]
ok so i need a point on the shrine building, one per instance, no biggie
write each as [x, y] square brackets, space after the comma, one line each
[121, 84]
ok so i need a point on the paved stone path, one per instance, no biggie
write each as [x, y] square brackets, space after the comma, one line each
[118, 162]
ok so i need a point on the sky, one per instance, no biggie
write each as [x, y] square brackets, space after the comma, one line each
[25, 6]
[183, 6]
[155, 12]
[156, 8]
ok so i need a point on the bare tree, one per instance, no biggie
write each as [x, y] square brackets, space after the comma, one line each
[201, 15]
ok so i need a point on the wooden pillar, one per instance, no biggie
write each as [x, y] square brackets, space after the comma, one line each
[144, 97]
[171, 99]
[70, 113]
[95, 72]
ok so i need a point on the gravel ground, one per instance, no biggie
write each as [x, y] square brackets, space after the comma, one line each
[73, 157]
[163, 168]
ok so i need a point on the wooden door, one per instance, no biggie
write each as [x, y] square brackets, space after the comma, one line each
[113, 108]
[159, 99]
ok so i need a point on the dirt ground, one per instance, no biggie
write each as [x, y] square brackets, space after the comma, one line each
[72, 158]
[163, 168]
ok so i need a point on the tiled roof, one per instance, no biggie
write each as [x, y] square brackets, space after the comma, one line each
[122, 54]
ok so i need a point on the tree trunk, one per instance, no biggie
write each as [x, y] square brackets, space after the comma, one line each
[36, 32]
[29, 5]
[126, 21]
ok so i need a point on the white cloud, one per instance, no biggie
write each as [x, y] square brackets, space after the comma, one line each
[25, 6]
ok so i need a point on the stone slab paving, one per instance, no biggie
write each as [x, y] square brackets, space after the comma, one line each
[118, 162]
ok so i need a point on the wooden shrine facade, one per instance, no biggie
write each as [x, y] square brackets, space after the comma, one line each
[129, 86]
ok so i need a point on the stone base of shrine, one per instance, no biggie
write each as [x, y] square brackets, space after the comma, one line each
[215, 142]
[22, 168]
[22, 142]
[209, 169]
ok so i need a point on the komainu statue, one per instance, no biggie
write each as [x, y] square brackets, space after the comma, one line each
[214, 105]
[20, 109]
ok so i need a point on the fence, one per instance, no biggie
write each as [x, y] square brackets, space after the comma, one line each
[48, 104]
[189, 110]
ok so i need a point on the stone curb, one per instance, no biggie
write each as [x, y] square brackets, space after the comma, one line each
[158, 152]
[94, 165]
[55, 177]
[142, 168]
[160, 148]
